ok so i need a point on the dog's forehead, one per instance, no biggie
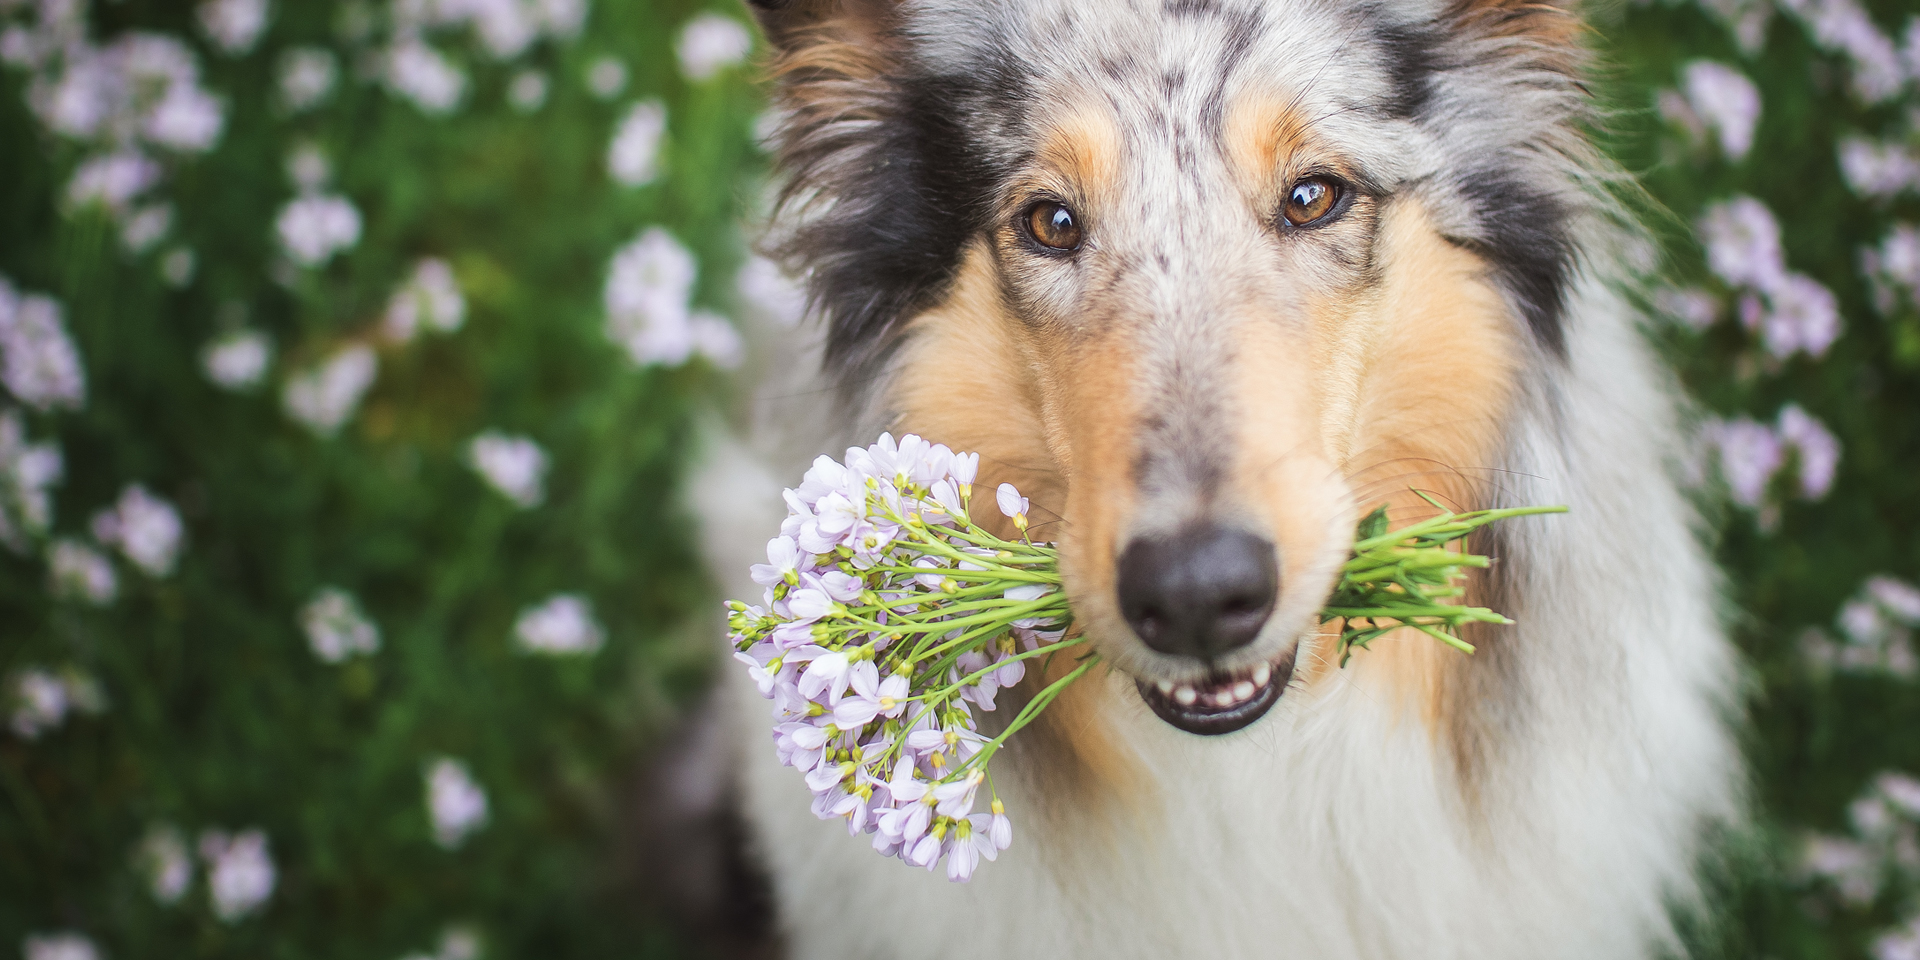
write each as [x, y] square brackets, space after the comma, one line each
[1177, 67]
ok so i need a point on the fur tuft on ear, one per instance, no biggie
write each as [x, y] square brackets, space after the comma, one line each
[787, 21]
[1553, 26]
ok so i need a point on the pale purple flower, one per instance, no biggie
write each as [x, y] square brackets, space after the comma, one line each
[1878, 170]
[1900, 790]
[237, 359]
[606, 77]
[146, 226]
[1815, 447]
[1844, 27]
[324, 397]
[112, 180]
[782, 566]
[336, 627]
[163, 857]
[1803, 315]
[1897, 597]
[455, 802]
[1750, 454]
[38, 362]
[234, 25]
[306, 77]
[1743, 244]
[1850, 866]
[145, 528]
[528, 91]
[633, 157]
[715, 339]
[431, 296]
[711, 43]
[313, 228]
[505, 27]
[81, 572]
[1010, 501]
[27, 471]
[187, 119]
[649, 285]
[420, 74]
[514, 466]
[39, 700]
[59, 946]
[1863, 622]
[562, 626]
[562, 19]
[240, 872]
[1727, 101]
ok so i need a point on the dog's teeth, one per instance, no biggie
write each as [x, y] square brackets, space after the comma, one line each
[1185, 696]
[1261, 674]
[1242, 690]
[1166, 687]
[1224, 699]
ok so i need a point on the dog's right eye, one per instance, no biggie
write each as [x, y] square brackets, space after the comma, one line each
[1053, 226]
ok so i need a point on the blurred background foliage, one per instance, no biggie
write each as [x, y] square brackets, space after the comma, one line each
[426, 670]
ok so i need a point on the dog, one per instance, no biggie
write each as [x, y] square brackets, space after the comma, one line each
[1208, 280]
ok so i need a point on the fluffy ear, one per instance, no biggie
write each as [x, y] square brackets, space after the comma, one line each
[792, 22]
[1553, 23]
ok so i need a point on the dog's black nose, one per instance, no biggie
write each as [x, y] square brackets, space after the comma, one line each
[1201, 592]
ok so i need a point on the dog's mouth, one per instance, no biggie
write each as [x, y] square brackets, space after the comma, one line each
[1222, 703]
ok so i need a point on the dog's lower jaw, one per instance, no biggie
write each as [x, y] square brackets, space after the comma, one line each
[1223, 703]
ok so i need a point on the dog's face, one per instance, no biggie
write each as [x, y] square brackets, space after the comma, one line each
[1204, 278]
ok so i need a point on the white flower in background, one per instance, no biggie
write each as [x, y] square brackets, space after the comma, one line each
[562, 625]
[1898, 597]
[1743, 244]
[335, 626]
[176, 268]
[459, 943]
[514, 466]
[1804, 316]
[606, 77]
[1878, 170]
[187, 119]
[162, 856]
[314, 228]
[308, 167]
[238, 359]
[455, 802]
[146, 226]
[112, 180]
[39, 700]
[1750, 454]
[430, 296]
[648, 288]
[420, 74]
[234, 25]
[1815, 447]
[769, 294]
[1844, 27]
[143, 85]
[561, 19]
[633, 157]
[144, 527]
[38, 362]
[1725, 100]
[325, 396]
[307, 76]
[505, 27]
[713, 337]
[81, 572]
[27, 471]
[1893, 269]
[528, 91]
[711, 43]
[240, 873]
[59, 946]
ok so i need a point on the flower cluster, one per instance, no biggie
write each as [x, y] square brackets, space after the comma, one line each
[1751, 454]
[28, 471]
[41, 699]
[234, 25]
[431, 297]
[145, 528]
[514, 466]
[81, 572]
[710, 43]
[240, 872]
[1877, 629]
[649, 310]
[563, 626]
[889, 619]
[455, 803]
[237, 359]
[324, 397]
[336, 627]
[1791, 312]
[38, 363]
[633, 158]
[1883, 851]
[1715, 99]
[59, 946]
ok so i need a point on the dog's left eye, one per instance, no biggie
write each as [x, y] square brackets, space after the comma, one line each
[1311, 201]
[1053, 226]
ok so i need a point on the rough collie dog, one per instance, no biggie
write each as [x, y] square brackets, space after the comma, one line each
[1207, 279]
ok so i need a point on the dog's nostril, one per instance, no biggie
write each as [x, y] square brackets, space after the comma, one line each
[1201, 592]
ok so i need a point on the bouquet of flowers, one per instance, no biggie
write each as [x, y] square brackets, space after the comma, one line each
[890, 617]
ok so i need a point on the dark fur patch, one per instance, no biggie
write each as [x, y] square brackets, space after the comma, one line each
[1524, 236]
[1412, 56]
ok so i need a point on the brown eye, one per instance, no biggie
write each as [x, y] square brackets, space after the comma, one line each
[1053, 226]
[1310, 201]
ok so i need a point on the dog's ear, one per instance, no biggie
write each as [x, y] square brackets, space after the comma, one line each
[791, 23]
[1553, 28]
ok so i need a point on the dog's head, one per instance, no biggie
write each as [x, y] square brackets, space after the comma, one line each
[1203, 277]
